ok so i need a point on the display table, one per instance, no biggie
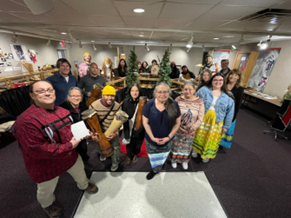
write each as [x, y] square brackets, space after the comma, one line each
[261, 102]
[8, 78]
[259, 95]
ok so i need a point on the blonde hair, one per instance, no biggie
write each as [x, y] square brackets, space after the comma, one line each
[237, 72]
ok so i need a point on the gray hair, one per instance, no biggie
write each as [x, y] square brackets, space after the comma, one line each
[165, 84]
[188, 83]
[74, 88]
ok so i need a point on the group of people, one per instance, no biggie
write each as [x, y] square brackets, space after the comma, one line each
[194, 123]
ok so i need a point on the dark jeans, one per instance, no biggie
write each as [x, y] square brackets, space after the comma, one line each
[133, 148]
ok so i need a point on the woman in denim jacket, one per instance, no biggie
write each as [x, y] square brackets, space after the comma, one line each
[219, 111]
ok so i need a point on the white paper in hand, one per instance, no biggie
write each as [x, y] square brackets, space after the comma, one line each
[79, 130]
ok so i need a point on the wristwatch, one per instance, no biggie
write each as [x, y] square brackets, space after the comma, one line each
[169, 137]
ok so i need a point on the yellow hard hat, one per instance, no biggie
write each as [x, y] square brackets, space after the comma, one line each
[108, 90]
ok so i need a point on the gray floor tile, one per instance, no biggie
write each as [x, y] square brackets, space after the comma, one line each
[130, 195]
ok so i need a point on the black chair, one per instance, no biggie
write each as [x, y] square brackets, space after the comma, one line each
[281, 122]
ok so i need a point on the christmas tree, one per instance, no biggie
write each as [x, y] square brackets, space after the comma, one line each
[132, 72]
[165, 69]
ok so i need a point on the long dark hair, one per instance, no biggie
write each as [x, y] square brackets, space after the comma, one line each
[120, 68]
[138, 87]
[169, 106]
[223, 87]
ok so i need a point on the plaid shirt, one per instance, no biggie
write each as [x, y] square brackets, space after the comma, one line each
[47, 152]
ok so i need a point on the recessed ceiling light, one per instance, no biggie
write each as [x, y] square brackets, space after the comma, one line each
[227, 36]
[63, 33]
[138, 10]
[215, 38]
[269, 30]
[141, 35]
[92, 41]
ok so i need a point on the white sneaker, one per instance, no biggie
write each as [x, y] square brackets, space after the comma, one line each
[102, 158]
[205, 160]
[114, 167]
[185, 166]
[194, 153]
[174, 165]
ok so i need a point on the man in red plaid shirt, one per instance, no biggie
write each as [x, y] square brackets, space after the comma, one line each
[48, 146]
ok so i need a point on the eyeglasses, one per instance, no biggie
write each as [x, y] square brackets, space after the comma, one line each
[163, 92]
[75, 96]
[43, 91]
[218, 80]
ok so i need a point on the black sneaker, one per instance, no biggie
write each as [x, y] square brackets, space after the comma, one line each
[151, 175]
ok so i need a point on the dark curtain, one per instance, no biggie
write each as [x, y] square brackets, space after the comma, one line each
[15, 101]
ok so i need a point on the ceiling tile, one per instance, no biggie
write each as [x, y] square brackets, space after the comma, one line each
[110, 21]
[93, 7]
[189, 11]
[13, 6]
[208, 2]
[283, 5]
[152, 9]
[62, 14]
[257, 3]
[36, 18]
[204, 24]
[227, 12]
[172, 23]
[10, 18]
[140, 22]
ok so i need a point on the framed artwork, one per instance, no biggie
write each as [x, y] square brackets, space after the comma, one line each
[245, 61]
[263, 68]
[19, 52]
[220, 54]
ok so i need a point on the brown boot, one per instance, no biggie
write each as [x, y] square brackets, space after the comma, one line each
[127, 161]
[54, 211]
[92, 188]
[134, 160]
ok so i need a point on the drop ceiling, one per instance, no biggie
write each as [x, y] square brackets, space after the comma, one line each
[164, 22]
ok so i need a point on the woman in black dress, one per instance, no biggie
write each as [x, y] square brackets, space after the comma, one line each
[131, 137]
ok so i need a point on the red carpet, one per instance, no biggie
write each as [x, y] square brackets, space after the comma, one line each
[143, 150]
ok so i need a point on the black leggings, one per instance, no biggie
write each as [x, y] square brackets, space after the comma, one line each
[133, 148]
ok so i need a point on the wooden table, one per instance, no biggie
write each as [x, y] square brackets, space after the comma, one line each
[13, 76]
[117, 80]
[4, 80]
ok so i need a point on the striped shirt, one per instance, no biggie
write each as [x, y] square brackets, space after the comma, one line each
[102, 110]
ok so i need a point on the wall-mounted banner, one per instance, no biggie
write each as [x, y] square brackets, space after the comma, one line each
[263, 68]
[20, 52]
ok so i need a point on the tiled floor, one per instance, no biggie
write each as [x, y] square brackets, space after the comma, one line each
[129, 194]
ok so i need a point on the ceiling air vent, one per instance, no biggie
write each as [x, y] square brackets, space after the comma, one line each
[268, 15]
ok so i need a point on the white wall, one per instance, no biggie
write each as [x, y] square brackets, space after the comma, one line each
[179, 55]
[46, 54]
[277, 84]
[281, 76]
